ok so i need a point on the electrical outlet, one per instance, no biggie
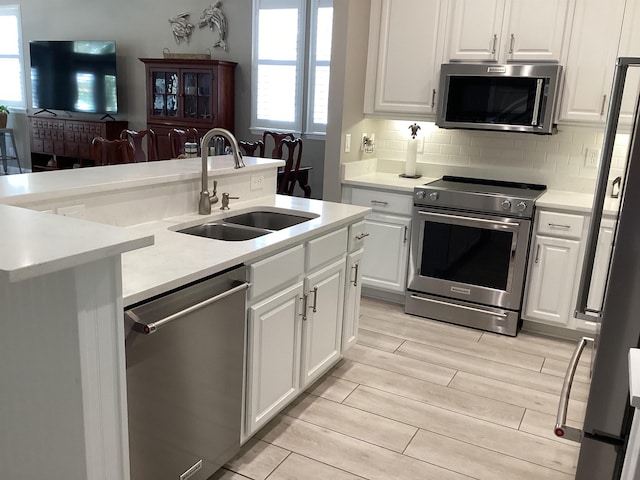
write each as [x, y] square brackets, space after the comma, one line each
[257, 182]
[362, 144]
[592, 157]
[347, 143]
[75, 211]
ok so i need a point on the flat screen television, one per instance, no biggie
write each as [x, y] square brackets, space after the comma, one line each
[76, 76]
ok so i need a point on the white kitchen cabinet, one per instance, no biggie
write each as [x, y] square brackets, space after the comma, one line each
[507, 30]
[273, 355]
[404, 56]
[386, 253]
[551, 280]
[322, 323]
[630, 47]
[593, 48]
[352, 293]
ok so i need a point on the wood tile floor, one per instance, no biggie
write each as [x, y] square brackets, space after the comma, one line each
[419, 399]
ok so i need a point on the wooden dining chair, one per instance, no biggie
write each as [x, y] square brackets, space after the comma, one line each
[250, 148]
[178, 137]
[137, 139]
[292, 165]
[111, 152]
[276, 138]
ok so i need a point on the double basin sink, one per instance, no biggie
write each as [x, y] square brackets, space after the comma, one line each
[246, 226]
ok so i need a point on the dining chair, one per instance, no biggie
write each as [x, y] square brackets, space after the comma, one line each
[111, 152]
[137, 139]
[250, 148]
[292, 165]
[178, 137]
[276, 138]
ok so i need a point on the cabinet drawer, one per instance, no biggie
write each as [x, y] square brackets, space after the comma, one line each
[560, 224]
[275, 272]
[383, 201]
[326, 248]
[357, 234]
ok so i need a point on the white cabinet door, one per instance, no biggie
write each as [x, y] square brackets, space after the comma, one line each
[601, 265]
[322, 326]
[551, 280]
[273, 355]
[403, 63]
[352, 290]
[474, 30]
[630, 47]
[386, 252]
[499, 30]
[591, 59]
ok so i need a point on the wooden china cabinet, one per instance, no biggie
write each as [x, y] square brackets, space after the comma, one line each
[188, 93]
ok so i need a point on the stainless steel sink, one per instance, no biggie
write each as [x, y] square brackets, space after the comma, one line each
[267, 220]
[225, 231]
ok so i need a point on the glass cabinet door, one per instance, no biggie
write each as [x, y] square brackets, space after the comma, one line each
[165, 93]
[197, 95]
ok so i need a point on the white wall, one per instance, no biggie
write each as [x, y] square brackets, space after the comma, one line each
[141, 29]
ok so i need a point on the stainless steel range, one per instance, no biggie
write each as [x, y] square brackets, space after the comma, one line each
[469, 248]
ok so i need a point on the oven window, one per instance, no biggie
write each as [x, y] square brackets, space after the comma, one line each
[475, 256]
[501, 100]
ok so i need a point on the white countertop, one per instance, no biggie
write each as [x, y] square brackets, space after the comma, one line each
[634, 377]
[36, 243]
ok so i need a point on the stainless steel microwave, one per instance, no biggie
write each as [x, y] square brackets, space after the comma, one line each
[510, 97]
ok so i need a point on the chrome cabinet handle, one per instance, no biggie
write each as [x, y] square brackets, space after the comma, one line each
[513, 40]
[315, 300]
[433, 98]
[406, 229]
[537, 254]
[361, 236]
[355, 277]
[604, 104]
[559, 225]
[379, 202]
[495, 42]
[561, 429]
[304, 300]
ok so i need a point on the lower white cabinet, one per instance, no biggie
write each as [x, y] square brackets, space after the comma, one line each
[352, 292]
[551, 279]
[322, 323]
[386, 253]
[273, 355]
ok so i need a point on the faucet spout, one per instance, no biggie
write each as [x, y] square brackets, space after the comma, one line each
[204, 206]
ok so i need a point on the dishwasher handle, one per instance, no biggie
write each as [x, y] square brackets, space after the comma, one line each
[149, 328]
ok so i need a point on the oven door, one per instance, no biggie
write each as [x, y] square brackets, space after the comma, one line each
[471, 257]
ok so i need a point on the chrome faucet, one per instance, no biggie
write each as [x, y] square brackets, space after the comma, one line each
[204, 207]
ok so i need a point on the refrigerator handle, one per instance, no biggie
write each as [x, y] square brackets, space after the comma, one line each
[615, 103]
[562, 429]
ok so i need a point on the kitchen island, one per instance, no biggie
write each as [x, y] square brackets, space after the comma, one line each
[63, 372]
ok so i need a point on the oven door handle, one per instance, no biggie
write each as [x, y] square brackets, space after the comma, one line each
[471, 222]
[464, 307]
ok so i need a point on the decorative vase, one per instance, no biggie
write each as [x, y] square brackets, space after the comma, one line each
[3, 120]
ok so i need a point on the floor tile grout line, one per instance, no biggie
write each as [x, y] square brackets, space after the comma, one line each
[281, 462]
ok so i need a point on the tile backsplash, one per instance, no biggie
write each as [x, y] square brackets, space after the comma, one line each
[559, 161]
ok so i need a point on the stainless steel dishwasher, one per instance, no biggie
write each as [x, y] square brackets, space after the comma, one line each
[185, 359]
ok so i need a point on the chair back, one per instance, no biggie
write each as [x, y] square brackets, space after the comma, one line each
[111, 152]
[292, 166]
[250, 148]
[137, 138]
[276, 138]
[178, 137]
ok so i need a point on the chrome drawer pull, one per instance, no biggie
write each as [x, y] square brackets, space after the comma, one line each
[361, 236]
[379, 202]
[558, 225]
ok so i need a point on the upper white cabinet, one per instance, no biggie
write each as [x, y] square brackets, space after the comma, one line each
[630, 47]
[593, 48]
[403, 64]
[507, 30]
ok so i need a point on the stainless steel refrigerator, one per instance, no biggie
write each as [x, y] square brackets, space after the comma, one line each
[608, 415]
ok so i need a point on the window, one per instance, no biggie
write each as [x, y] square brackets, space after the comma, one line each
[12, 78]
[291, 64]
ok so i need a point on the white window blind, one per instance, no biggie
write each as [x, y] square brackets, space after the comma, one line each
[12, 77]
[291, 61]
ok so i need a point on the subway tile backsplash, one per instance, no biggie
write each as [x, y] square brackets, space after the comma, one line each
[559, 161]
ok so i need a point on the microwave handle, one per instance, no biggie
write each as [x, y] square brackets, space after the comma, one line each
[536, 104]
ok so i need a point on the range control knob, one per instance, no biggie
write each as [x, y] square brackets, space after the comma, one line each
[521, 206]
[433, 196]
[421, 194]
[506, 204]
